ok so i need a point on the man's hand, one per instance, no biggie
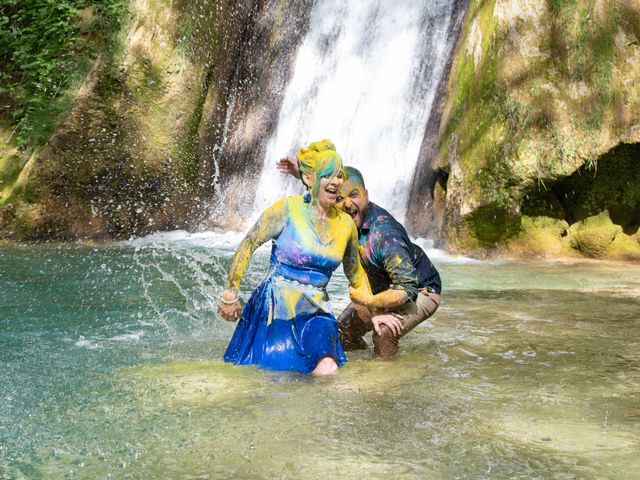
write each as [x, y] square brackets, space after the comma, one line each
[229, 311]
[391, 320]
[288, 165]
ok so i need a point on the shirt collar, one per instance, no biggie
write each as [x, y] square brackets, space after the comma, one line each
[368, 218]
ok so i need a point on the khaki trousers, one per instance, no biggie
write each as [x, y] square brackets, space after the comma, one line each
[355, 322]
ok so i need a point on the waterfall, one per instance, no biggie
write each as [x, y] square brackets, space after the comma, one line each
[366, 77]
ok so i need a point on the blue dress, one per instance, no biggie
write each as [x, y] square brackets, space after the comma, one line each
[288, 324]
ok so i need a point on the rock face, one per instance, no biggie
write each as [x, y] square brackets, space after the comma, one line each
[186, 100]
[533, 150]
[242, 105]
[541, 126]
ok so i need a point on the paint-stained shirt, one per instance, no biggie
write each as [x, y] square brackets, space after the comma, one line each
[389, 257]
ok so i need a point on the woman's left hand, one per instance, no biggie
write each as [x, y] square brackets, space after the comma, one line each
[229, 311]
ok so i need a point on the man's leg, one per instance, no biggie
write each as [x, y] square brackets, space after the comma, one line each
[353, 323]
[413, 314]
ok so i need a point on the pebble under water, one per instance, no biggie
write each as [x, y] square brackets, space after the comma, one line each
[111, 368]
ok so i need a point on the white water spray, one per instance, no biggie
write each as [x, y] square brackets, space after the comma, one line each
[365, 77]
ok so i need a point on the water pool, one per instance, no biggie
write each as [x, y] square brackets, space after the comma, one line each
[111, 368]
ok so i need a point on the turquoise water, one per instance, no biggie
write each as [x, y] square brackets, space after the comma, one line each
[110, 369]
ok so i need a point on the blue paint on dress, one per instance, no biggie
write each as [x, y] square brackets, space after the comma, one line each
[288, 323]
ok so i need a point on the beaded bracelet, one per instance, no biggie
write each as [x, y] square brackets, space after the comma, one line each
[227, 302]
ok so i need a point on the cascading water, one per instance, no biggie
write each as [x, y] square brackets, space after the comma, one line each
[366, 77]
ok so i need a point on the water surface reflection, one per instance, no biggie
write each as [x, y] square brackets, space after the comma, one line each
[111, 369]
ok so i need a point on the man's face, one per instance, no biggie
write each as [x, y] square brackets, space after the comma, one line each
[354, 200]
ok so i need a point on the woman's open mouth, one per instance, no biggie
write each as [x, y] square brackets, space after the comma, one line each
[332, 191]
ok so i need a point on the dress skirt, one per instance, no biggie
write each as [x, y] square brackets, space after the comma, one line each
[286, 325]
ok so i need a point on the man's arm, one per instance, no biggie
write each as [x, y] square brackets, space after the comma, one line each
[396, 260]
[288, 165]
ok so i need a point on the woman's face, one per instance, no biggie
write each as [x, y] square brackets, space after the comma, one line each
[328, 190]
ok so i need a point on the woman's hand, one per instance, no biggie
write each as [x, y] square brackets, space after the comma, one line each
[230, 307]
[288, 165]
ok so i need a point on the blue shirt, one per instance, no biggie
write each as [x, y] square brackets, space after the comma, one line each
[389, 257]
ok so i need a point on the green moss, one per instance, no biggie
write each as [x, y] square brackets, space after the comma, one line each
[541, 202]
[10, 167]
[198, 33]
[491, 224]
[25, 219]
[624, 247]
[558, 6]
[187, 155]
[611, 183]
[594, 235]
[591, 55]
[476, 84]
[539, 236]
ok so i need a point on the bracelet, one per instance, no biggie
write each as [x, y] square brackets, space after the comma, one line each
[227, 302]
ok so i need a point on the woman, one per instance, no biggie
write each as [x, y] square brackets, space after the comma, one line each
[287, 323]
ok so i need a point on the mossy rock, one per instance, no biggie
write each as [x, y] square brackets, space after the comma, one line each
[625, 247]
[539, 236]
[492, 224]
[541, 114]
[594, 235]
[542, 203]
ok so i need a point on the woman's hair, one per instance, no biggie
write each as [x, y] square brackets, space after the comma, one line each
[319, 159]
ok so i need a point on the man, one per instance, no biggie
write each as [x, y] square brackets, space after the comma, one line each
[405, 283]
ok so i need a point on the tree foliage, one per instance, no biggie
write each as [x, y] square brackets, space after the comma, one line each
[45, 48]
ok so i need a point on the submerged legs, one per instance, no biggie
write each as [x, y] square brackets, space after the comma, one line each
[326, 366]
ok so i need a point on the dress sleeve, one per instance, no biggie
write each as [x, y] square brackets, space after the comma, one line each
[396, 260]
[351, 261]
[269, 226]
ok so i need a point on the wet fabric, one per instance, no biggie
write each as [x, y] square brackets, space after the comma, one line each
[356, 320]
[288, 323]
[390, 259]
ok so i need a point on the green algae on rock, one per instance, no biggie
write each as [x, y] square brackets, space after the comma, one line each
[540, 236]
[593, 235]
[136, 153]
[539, 91]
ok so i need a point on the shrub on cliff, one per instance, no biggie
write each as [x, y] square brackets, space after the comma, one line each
[45, 49]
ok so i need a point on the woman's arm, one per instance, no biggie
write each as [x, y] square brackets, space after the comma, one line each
[363, 294]
[268, 226]
[359, 288]
[388, 299]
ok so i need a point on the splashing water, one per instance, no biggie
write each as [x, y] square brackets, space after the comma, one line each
[110, 369]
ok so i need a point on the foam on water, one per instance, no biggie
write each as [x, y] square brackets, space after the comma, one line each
[229, 241]
[218, 240]
[111, 369]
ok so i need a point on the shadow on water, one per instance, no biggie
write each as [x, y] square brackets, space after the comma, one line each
[111, 370]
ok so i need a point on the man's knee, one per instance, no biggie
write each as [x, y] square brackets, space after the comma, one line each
[353, 323]
[385, 345]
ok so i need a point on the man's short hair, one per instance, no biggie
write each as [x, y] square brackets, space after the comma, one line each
[354, 174]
